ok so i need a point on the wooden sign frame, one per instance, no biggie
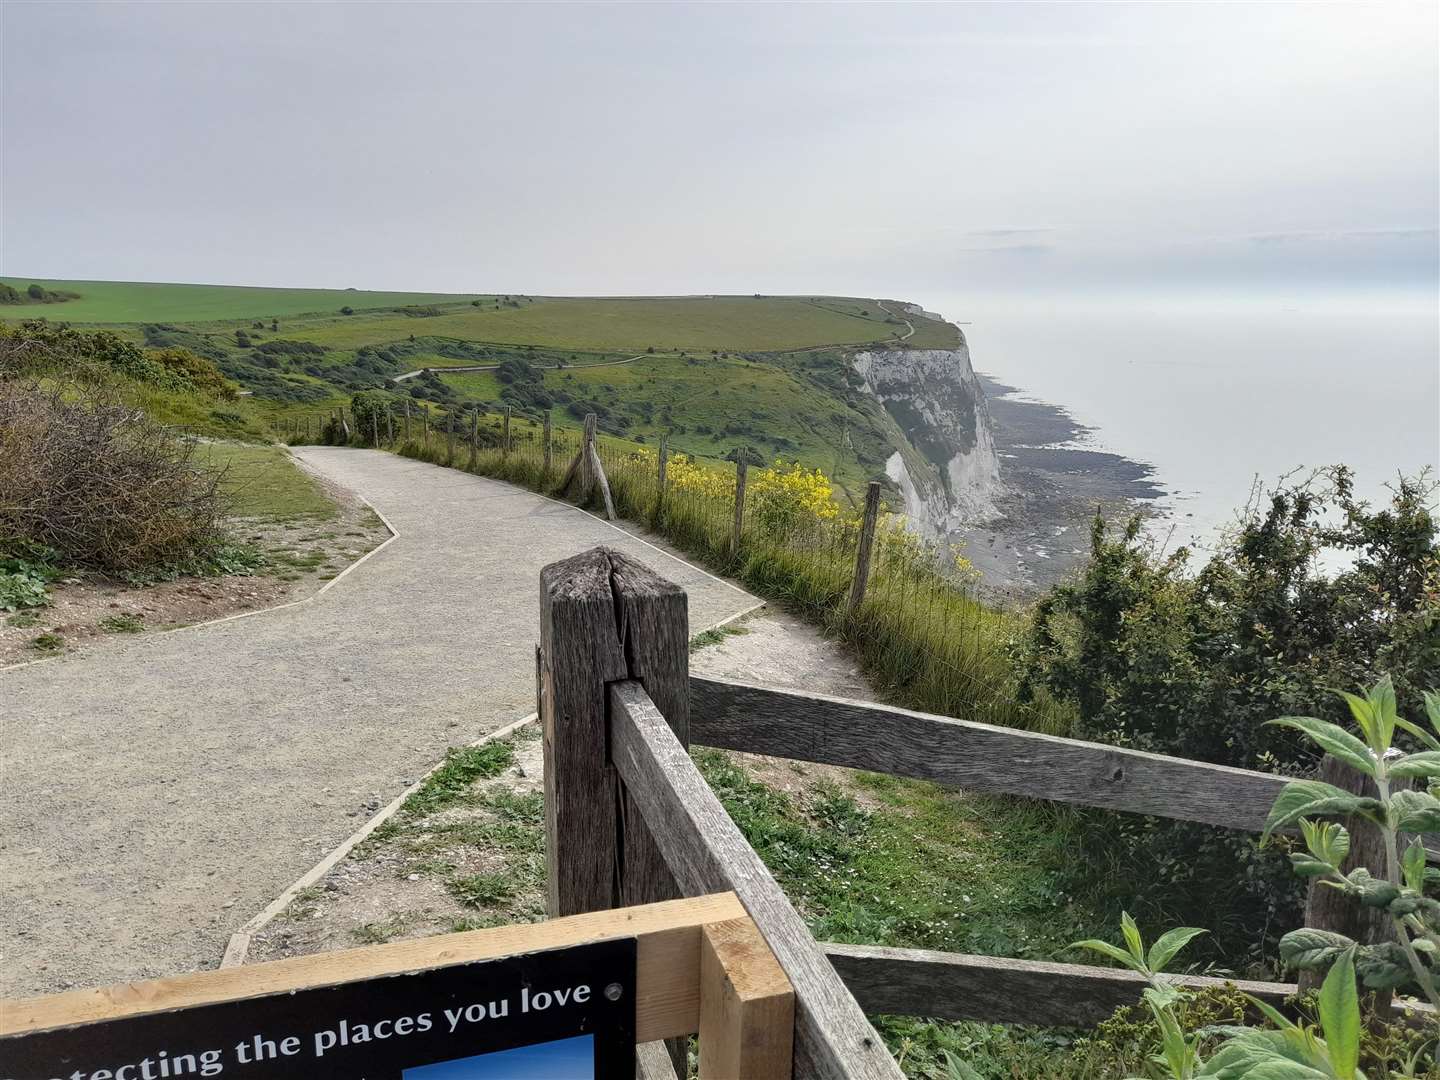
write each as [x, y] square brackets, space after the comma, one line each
[701, 968]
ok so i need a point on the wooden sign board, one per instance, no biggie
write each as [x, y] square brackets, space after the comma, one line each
[566, 1012]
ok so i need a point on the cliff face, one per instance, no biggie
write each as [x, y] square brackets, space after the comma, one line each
[947, 467]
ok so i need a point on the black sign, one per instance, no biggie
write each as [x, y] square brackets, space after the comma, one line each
[565, 1014]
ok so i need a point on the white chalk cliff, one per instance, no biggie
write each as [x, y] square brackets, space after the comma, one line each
[947, 468]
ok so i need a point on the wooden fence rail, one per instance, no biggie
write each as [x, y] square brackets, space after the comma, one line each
[977, 757]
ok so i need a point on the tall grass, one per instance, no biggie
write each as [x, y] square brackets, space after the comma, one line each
[924, 637]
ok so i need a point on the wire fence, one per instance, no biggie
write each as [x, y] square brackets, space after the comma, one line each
[925, 636]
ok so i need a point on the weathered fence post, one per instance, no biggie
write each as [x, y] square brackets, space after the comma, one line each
[407, 419]
[474, 438]
[546, 437]
[449, 438]
[740, 470]
[862, 550]
[307, 428]
[1330, 909]
[661, 462]
[603, 617]
[389, 426]
[505, 445]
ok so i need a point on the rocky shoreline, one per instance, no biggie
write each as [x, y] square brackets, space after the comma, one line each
[1052, 487]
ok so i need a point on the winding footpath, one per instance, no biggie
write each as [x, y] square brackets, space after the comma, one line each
[155, 793]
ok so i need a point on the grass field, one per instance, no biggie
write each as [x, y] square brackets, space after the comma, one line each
[265, 482]
[144, 301]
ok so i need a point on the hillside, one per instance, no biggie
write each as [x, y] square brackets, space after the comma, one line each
[712, 373]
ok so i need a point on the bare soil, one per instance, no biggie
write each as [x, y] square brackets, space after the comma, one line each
[88, 611]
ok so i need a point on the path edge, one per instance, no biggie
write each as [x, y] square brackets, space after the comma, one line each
[316, 595]
[237, 949]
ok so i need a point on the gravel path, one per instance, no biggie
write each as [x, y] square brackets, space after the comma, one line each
[156, 794]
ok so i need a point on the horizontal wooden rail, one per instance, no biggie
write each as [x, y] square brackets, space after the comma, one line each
[706, 852]
[828, 730]
[973, 756]
[955, 986]
[667, 973]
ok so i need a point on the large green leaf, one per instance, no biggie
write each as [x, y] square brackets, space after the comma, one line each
[1170, 943]
[1340, 1016]
[1310, 948]
[1334, 739]
[1112, 951]
[1412, 865]
[1425, 763]
[1314, 798]
[1419, 732]
[1432, 708]
[1384, 966]
[1415, 811]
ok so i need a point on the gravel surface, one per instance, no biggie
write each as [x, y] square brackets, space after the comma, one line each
[156, 794]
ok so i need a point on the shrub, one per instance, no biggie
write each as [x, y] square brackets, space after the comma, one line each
[35, 292]
[1146, 654]
[98, 481]
[347, 310]
[36, 347]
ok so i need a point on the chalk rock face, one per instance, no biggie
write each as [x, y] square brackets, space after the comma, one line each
[949, 473]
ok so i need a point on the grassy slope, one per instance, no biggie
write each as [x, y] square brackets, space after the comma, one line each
[788, 404]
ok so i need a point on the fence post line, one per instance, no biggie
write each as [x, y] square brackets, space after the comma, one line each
[862, 550]
[474, 438]
[547, 443]
[740, 470]
[505, 447]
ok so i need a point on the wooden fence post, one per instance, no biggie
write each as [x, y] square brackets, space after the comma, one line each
[389, 426]
[593, 607]
[604, 616]
[546, 437]
[505, 445]
[740, 469]
[407, 419]
[862, 552]
[1330, 909]
[449, 438]
[474, 438]
[307, 428]
[747, 1006]
[661, 462]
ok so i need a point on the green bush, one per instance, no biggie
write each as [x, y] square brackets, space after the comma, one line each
[1146, 654]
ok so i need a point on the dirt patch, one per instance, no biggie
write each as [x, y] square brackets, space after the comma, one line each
[89, 610]
[479, 861]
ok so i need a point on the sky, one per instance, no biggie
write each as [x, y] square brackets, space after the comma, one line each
[878, 149]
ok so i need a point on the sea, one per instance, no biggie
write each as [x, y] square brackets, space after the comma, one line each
[1212, 394]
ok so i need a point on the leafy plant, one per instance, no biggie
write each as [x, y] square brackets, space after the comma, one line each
[1410, 960]
[1330, 1051]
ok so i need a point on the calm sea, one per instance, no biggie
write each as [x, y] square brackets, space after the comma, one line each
[1215, 392]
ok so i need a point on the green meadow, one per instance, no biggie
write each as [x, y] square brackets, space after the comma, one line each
[146, 301]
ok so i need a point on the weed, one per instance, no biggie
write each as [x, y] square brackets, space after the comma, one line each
[715, 636]
[23, 619]
[482, 890]
[122, 624]
[48, 642]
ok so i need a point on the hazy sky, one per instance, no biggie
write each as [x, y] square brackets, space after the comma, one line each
[665, 148]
